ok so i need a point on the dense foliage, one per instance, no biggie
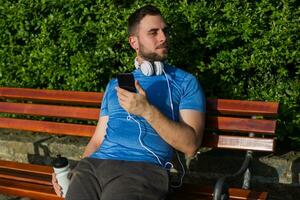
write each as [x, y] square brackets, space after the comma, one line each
[238, 49]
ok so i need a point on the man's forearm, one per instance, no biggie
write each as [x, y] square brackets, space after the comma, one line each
[89, 149]
[178, 134]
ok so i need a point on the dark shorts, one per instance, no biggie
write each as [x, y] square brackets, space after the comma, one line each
[95, 179]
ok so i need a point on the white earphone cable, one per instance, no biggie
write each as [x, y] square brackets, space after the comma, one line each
[140, 140]
[170, 95]
[173, 117]
[129, 117]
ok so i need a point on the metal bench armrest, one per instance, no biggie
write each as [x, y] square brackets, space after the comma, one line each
[221, 186]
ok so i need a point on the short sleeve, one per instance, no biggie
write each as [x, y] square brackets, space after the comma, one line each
[193, 95]
[104, 104]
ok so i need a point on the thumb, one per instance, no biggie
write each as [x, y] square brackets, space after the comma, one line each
[139, 88]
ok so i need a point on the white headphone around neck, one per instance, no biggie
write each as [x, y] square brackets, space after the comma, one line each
[148, 68]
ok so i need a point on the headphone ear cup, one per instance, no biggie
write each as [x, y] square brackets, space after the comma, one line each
[159, 67]
[146, 68]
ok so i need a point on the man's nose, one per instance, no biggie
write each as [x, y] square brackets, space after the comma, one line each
[162, 36]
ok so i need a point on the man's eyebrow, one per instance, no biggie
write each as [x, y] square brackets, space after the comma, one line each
[153, 29]
[156, 29]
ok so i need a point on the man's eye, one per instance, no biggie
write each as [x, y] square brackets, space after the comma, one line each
[152, 33]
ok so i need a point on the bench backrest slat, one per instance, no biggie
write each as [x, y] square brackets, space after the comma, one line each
[242, 107]
[241, 125]
[239, 142]
[50, 110]
[48, 127]
[54, 96]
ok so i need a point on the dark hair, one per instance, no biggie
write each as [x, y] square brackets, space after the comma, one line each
[136, 17]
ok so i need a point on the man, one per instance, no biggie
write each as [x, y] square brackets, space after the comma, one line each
[131, 149]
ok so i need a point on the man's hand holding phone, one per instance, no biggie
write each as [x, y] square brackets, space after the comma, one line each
[133, 102]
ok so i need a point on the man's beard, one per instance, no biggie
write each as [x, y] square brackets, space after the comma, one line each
[152, 56]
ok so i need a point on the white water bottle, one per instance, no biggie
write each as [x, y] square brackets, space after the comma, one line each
[62, 169]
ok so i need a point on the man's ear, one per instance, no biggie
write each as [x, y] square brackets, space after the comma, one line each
[133, 41]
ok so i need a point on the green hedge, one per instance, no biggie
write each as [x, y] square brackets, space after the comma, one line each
[237, 49]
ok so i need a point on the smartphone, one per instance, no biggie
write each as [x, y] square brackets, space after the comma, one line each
[126, 81]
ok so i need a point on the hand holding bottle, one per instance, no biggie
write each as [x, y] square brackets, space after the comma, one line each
[60, 177]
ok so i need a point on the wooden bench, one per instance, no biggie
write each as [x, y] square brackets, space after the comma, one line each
[230, 124]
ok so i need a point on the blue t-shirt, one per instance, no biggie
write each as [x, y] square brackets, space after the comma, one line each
[136, 140]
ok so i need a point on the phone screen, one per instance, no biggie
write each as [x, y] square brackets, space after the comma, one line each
[126, 81]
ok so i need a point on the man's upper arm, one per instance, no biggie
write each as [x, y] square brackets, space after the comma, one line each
[100, 130]
[195, 119]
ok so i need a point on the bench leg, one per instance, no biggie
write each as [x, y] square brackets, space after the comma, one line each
[247, 179]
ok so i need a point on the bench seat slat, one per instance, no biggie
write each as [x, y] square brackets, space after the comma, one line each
[26, 167]
[236, 193]
[18, 175]
[50, 110]
[54, 96]
[238, 142]
[48, 127]
[31, 190]
[241, 125]
[242, 107]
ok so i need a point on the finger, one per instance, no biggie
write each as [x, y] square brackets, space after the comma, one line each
[124, 103]
[54, 180]
[57, 189]
[56, 186]
[53, 177]
[122, 95]
[125, 95]
[139, 88]
[122, 91]
[57, 192]
[123, 100]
